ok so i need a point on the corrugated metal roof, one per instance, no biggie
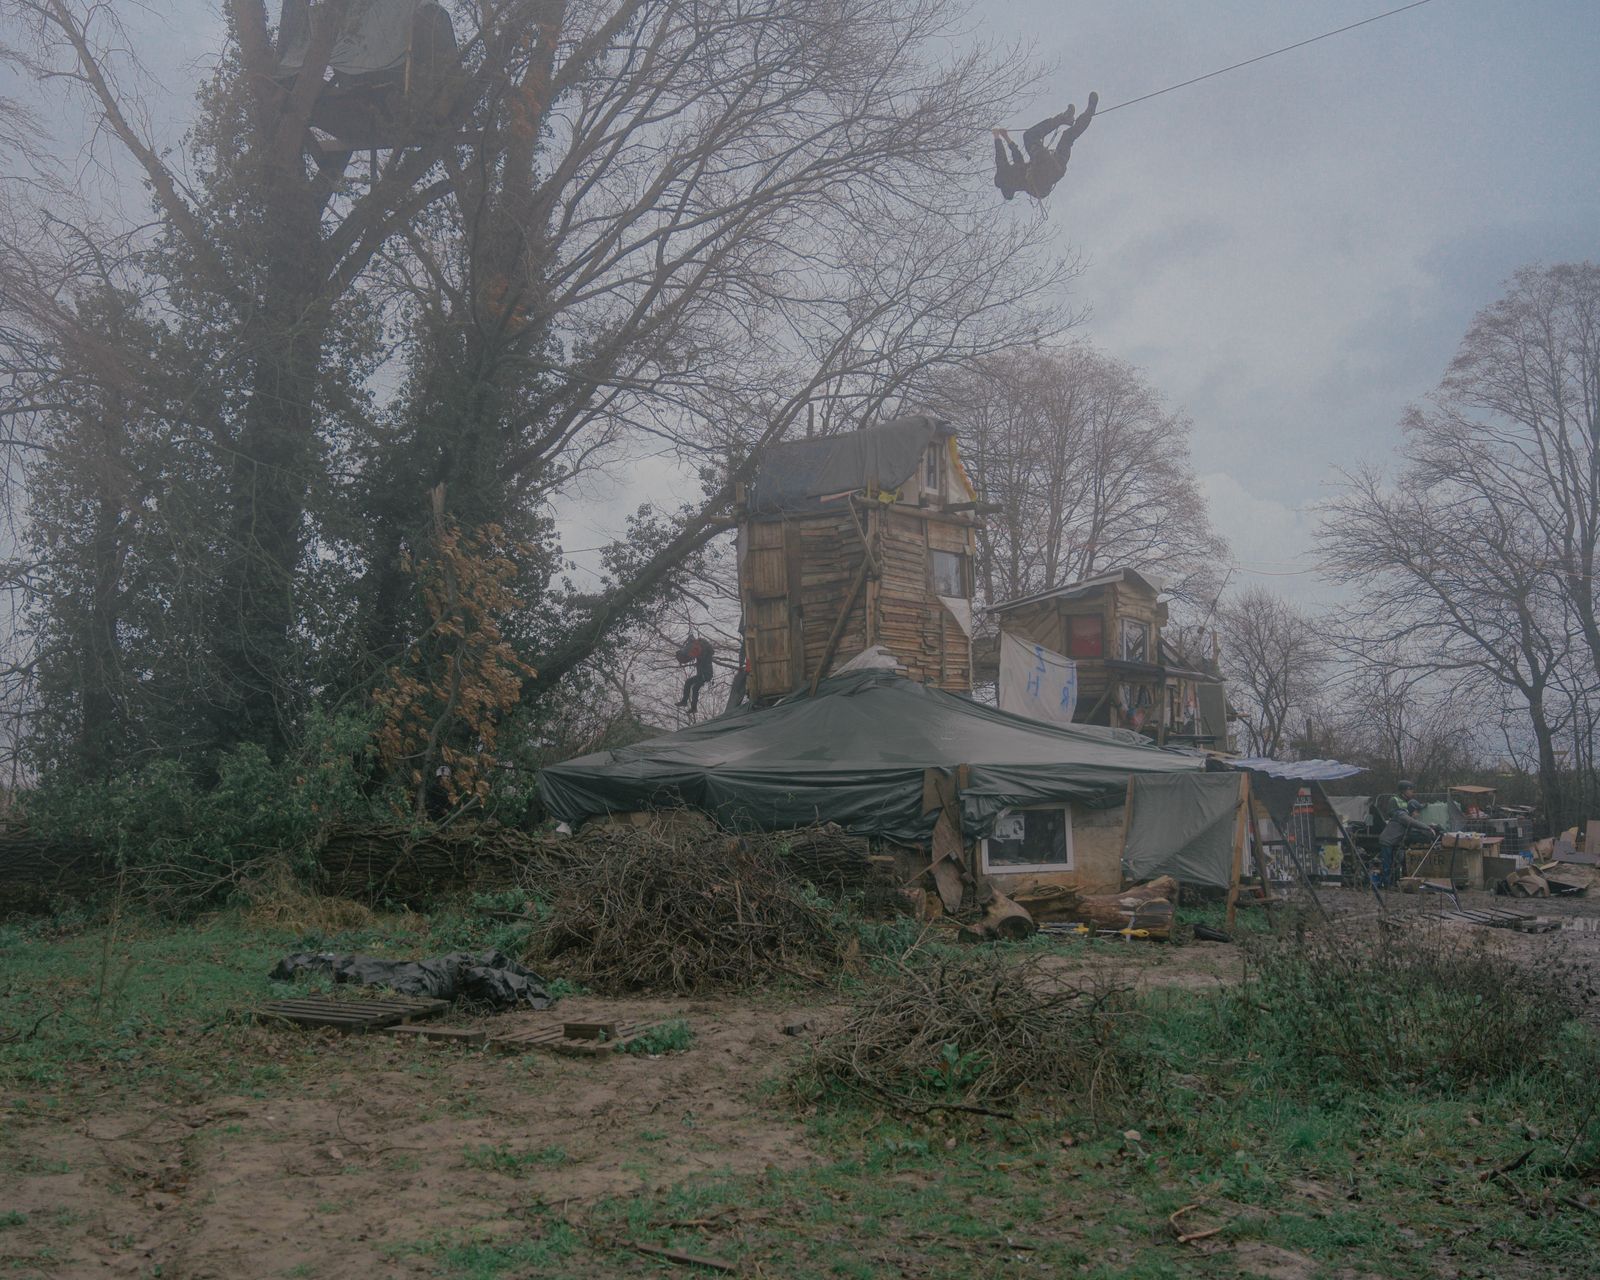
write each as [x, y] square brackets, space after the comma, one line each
[1298, 770]
[1072, 589]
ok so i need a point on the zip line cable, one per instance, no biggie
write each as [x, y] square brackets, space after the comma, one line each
[1261, 57]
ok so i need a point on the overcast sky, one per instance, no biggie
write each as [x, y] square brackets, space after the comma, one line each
[1290, 251]
[1293, 250]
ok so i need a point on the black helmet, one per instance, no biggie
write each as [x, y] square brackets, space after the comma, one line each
[1403, 785]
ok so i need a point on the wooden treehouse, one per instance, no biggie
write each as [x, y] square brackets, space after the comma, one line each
[854, 540]
[1110, 626]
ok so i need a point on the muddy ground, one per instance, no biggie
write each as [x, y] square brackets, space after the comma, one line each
[376, 1146]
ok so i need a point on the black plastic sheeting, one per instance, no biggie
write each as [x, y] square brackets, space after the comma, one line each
[491, 979]
[378, 36]
[855, 754]
[796, 474]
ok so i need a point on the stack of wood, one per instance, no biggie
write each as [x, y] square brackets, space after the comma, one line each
[1147, 908]
[827, 855]
[404, 865]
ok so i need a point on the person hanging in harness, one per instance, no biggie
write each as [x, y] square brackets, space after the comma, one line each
[698, 651]
[1400, 821]
[1044, 165]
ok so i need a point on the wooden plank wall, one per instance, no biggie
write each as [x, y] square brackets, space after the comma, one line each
[1045, 622]
[797, 574]
[830, 554]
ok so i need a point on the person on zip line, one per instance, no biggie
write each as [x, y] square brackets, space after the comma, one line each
[1039, 170]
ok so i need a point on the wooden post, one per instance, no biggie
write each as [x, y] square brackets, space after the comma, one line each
[839, 625]
[1238, 847]
[870, 539]
[1127, 817]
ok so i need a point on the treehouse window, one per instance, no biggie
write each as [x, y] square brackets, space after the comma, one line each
[1030, 840]
[950, 577]
[1085, 637]
[1135, 641]
[931, 475]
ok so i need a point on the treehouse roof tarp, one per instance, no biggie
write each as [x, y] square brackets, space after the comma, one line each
[802, 475]
[855, 753]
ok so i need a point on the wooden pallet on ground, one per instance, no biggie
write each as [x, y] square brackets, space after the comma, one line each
[470, 1036]
[578, 1040]
[350, 1015]
[1494, 918]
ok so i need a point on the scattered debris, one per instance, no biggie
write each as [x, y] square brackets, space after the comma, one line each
[686, 1259]
[1188, 1237]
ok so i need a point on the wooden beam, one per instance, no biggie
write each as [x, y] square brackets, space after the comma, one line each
[978, 508]
[839, 625]
[1238, 847]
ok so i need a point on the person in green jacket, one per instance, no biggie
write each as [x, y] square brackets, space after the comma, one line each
[1401, 823]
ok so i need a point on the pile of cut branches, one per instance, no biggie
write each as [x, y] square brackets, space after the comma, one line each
[681, 906]
[976, 1031]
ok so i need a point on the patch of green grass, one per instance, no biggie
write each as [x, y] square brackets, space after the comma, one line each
[162, 1004]
[673, 1036]
[553, 1242]
[11, 1218]
[514, 1163]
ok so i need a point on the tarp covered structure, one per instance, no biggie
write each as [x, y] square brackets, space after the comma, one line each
[1184, 825]
[800, 475]
[378, 36]
[855, 753]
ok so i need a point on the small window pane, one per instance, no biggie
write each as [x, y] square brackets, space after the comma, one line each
[1135, 641]
[1030, 838]
[949, 574]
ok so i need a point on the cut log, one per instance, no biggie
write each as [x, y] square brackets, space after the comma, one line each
[1145, 906]
[1003, 919]
[1048, 903]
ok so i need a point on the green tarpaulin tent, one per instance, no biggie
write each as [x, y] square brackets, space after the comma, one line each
[855, 753]
[1184, 827]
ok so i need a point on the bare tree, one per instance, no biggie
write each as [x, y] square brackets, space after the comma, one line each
[1482, 560]
[1383, 708]
[1090, 471]
[1272, 654]
[1459, 588]
[1517, 420]
[626, 222]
